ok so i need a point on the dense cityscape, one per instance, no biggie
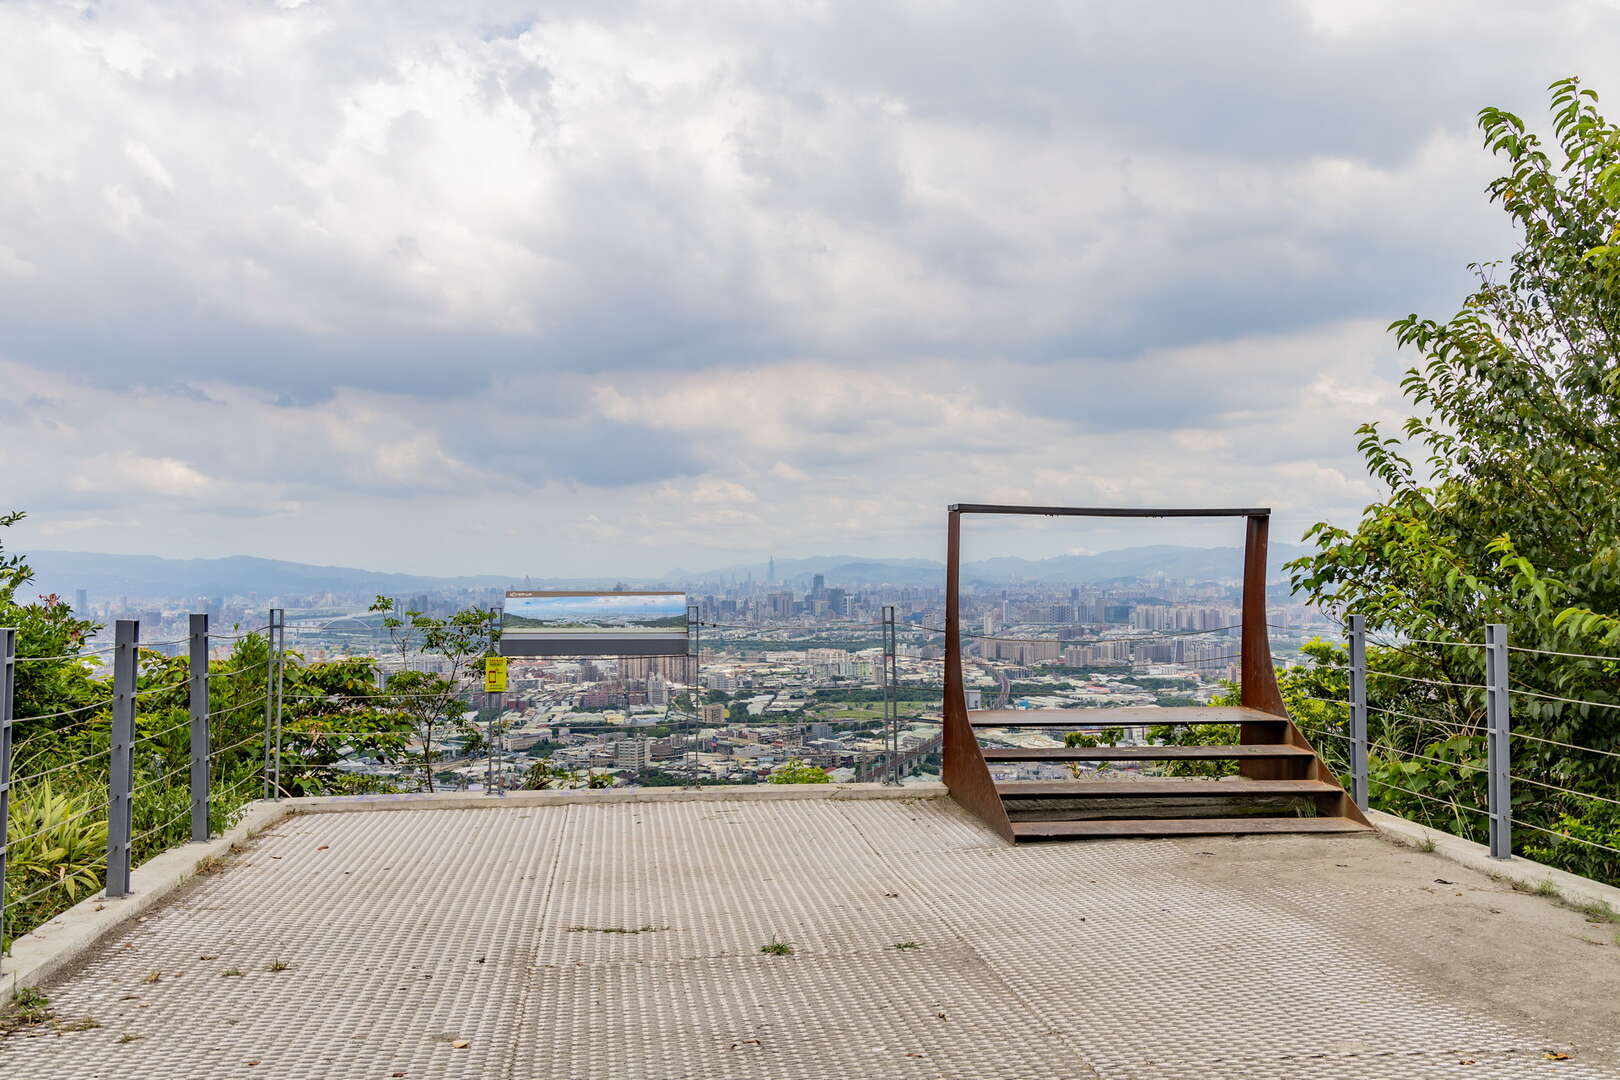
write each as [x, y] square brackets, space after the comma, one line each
[790, 672]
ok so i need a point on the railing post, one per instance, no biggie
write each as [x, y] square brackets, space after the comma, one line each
[694, 644]
[494, 703]
[891, 712]
[272, 710]
[120, 784]
[281, 678]
[1358, 710]
[1498, 715]
[8, 682]
[199, 728]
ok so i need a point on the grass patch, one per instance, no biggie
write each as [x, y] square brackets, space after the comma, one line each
[907, 945]
[277, 965]
[1597, 911]
[29, 1008]
[776, 948]
[231, 973]
[127, 1037]
[616, 929]
[83, 1023]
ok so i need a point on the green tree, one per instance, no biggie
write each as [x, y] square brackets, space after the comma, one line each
[1501, 498]
[799, 771]
[434, 701]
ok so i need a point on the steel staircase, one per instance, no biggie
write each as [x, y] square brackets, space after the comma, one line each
[1281, 785]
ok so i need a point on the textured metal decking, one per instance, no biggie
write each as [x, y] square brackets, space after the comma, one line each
[402, 932]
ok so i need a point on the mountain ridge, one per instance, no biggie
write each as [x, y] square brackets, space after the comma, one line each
[152, 577]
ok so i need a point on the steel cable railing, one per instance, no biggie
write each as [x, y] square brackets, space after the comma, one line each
[1431, 798]
[56, 824]
[1567, 836]
[1386, 748]
[52, 887]
[214, 636]
[175, 820]
[1569, 655]
[104, 703]
[156, 780]
[1567, 746]
[1517, 779]
[254, 703]
[1450, 725]
[84, 655]
[163, 689]
[20, 781]
[240, 670]
[1565, 700]
[1429, 682]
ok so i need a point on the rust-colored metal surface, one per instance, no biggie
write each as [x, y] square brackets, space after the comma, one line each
[1116, 827]
[1162, 789]
[1259, 679]
[1149, 753]
[1124, 716]
[964, 772]
[1271, 747]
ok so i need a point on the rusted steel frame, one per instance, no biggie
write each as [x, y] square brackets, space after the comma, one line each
[964, 772]
[1107, 511]
[1259, 685]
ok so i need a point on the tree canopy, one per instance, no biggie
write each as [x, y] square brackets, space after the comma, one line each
[1501, 493]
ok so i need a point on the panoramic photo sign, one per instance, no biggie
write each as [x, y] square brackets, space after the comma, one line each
[594, 624]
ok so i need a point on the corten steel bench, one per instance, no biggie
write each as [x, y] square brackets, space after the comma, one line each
[1281, 785]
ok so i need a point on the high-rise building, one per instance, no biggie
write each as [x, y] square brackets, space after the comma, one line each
[81, 603]
[632, 753]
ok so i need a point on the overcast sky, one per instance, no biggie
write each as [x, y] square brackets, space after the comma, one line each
[609, 287]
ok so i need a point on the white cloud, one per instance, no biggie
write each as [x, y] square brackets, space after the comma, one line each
[635, 284]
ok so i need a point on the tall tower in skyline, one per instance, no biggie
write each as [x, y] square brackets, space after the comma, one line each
[770, 572]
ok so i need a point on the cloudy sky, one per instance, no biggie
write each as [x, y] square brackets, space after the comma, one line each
[607, 286]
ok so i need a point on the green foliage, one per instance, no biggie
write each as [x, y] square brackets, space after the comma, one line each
[430, 702]
[332, 712]
[545, 775]
[58, 847]
[1501, 503]
[1595, 823]
[869, 695]
[798, 771]
[1109, 736]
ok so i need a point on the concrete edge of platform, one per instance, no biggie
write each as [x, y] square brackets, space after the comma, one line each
[456, 800]
[1525, 874]
[52, 946]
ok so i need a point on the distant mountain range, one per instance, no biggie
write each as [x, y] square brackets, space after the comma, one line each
[149, 578]
[1125, 563]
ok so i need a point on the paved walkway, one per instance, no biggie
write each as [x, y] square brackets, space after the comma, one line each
[623, 942]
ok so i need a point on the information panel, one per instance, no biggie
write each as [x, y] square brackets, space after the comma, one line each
[594, 624]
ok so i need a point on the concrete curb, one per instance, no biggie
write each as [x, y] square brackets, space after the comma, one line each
[1525, 873]
[346, 804]
[49, 948]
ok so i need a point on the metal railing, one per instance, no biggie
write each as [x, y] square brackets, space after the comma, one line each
[121, 713]
[1496, 694]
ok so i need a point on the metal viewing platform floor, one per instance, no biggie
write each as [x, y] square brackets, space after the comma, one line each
[623, 942]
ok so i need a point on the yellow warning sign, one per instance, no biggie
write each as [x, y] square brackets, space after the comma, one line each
[494, 674]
